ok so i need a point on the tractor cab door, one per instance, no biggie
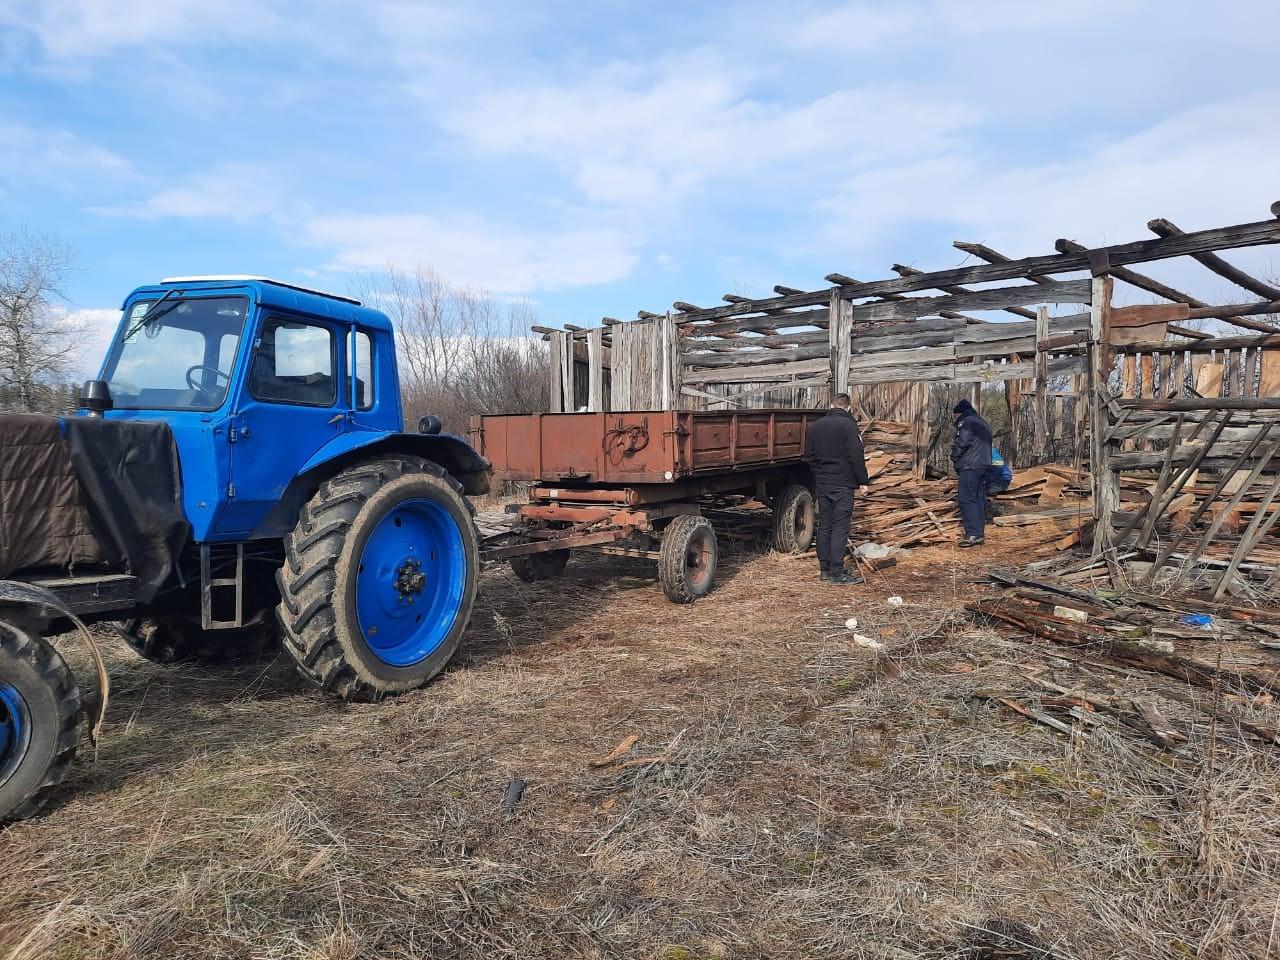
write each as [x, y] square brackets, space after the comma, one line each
[292, 402]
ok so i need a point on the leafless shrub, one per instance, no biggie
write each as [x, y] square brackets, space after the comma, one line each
[462, 352]
[38, 345]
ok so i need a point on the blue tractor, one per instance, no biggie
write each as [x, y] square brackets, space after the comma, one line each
[239, 472]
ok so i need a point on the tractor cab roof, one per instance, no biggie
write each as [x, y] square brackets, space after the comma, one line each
[279, 294]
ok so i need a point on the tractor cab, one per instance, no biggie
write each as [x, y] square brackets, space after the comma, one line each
[257, 379]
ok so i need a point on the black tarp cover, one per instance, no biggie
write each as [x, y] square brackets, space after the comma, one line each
[132, 483]
[82, 493]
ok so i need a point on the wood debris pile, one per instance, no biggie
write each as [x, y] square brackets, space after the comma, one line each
[1232, 651]
[902, 510]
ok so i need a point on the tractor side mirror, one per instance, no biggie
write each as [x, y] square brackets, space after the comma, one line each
[430, 424]
[95, 396]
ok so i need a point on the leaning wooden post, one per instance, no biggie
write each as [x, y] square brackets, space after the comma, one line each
[839, 341]
[568, 373]
[595, 370]
[556, 384]
[1042, 383]
[669, 346]
[1104, 481]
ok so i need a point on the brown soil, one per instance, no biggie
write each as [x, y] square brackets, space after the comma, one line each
[799, 794]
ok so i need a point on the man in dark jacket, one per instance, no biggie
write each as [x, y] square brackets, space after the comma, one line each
[833, 451]
[971, 454]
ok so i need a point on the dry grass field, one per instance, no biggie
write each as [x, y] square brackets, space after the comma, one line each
[789, 793]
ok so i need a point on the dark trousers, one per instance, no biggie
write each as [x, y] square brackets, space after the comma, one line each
[835, 508]
[971, 498]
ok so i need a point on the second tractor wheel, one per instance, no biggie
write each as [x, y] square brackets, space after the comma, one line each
[39, 721]
[532, 567]
[794, 520]
[379, 578]
[687, 560]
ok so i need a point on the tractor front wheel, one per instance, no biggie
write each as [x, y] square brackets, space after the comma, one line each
[379, 578]
[39, 721]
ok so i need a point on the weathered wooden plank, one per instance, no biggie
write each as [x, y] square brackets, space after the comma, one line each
[1069, 291]
[726, 344]
[1200, 346]
[1164, 228]
[769, 372]
[1041, 409]
[993, 372]
[903, 372]
[920, 355]
[997, 348]
[902, 341]
[1149, 314]
[1269, 380]
[751, 358]
[556, 384]
[776, 321]
[595, 366]
[840, 326]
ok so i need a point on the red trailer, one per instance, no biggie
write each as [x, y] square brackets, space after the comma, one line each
[635, 483]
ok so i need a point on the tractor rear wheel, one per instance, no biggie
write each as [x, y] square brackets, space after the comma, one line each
[531, 567]
[687, 560]
[379, 578]
[39, 721]
[170, 639]
[794, 520]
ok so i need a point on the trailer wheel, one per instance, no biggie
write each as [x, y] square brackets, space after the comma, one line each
[169, 639]
[379, 578]
[531, 567]
[794, 520]
[39, 721]
[687, 560]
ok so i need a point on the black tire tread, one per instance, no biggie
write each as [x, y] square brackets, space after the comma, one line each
[312, 552]
[48, 663]
[672, 571]
[784, 511]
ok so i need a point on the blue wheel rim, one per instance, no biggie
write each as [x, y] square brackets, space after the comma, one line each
[15, 730]
[410, 582]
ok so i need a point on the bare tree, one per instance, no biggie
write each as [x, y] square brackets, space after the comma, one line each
[462, 352]
[38, 346]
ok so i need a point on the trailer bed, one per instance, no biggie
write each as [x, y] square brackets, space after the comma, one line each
[639, 446]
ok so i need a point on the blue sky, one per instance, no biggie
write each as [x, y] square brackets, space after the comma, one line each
[598, 158]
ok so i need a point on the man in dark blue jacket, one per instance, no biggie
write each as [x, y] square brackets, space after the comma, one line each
[833, 451]
[971, 454]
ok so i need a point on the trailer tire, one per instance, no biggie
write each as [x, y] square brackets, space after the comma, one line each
[39, 721]
[687, 559]
[532, 567]
[168, 639]
[373, 540]
[794, 519]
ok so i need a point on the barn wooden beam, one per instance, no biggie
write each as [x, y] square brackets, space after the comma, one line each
[684, 307]
[1165, 228]
[983, 252]
[779, 288]
[903, 270]
[1119, 255]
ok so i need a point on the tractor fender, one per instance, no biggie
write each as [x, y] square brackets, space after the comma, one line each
[453, 453]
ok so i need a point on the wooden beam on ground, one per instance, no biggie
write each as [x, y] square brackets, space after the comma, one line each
[1164, 228]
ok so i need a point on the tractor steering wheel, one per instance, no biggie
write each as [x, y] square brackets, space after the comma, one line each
[196, 385]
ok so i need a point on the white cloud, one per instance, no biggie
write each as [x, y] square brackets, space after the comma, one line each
[43, 153]
[71, 30]
[639, 134]
[474, 252]
[1210, 164]
[238, 192]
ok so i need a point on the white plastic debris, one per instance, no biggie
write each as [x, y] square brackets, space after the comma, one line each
[894, 601]
[873, 551]
[867, 642]
[1070, 613]
[851, 624]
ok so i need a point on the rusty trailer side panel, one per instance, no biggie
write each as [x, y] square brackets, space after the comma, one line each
[639, 447]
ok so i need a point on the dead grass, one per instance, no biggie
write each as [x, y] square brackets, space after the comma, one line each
[803, 796]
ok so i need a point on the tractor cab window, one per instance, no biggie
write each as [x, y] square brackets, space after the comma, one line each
[364, 370]
[175, 353]
[294, 363]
